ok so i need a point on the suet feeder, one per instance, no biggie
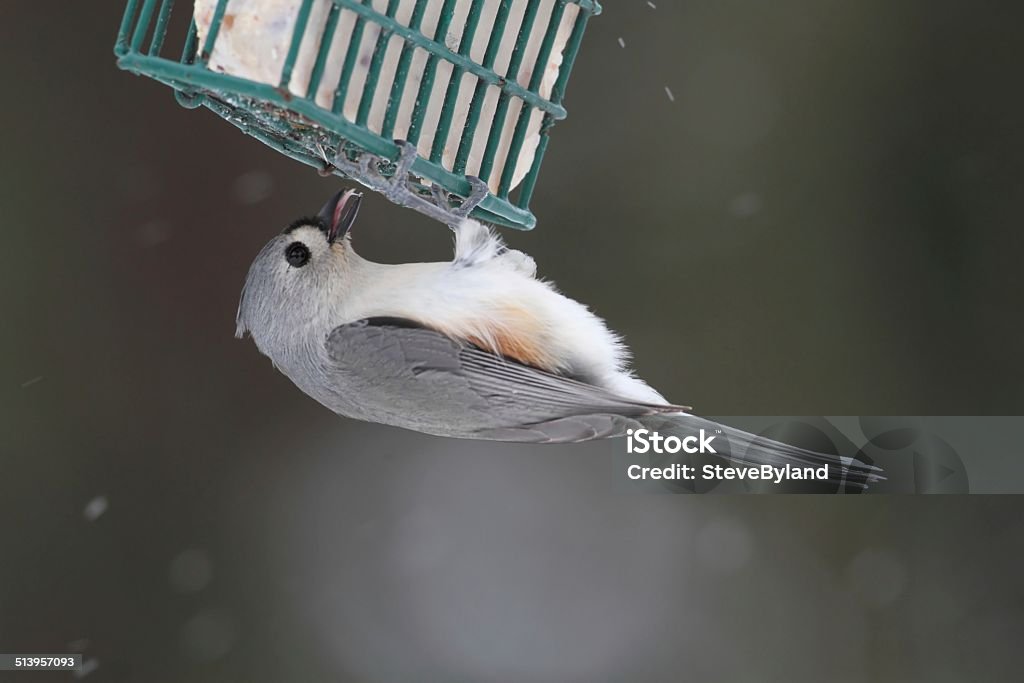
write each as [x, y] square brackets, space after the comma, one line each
[441, 105]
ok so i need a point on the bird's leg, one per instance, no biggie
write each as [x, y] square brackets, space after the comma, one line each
[365, 161]
[478, 190]
[396, 188]
[439, 194]
[406, 158]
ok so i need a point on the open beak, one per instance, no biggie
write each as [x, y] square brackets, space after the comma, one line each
[339, 213]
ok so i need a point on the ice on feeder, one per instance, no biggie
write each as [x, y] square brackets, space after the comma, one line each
[255, 37]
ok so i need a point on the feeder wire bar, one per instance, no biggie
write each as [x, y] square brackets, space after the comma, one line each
[351, 57]
[569, 54]
[160, 32]
[419, 110]
[476, 105]
[376, 64]
[525, 113]
[143, 24]
[451, 96]
[298, 33]
[465, 63]
[326, 40]
[121, 47]
[211, 37]
[402, 72]
[501, 111]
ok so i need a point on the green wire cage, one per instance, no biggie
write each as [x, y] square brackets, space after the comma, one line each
[444, 106]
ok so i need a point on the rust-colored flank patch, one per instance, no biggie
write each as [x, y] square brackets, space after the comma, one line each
[516, 348]
[514, 333]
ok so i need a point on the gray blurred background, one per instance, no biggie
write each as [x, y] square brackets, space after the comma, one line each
[824, 218]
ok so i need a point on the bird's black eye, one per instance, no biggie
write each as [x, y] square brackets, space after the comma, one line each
[297, 254]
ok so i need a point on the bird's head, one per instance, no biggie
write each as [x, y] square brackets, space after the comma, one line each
[297, 275]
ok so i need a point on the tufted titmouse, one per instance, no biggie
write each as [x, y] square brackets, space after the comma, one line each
[473, 348]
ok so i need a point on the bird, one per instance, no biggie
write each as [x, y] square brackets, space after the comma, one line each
[477, 347]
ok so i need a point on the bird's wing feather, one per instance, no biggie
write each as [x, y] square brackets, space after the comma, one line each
[414, 377]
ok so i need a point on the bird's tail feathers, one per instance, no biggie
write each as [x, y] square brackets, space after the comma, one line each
[744, 449]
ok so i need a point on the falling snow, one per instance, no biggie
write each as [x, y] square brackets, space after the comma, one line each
[252, 187]
[671, 97]
[88, 666]
[95, 508]
[79, 645]
[35, 380]
[745, 205]
[190, 571]
[622, 43]
[153, 233]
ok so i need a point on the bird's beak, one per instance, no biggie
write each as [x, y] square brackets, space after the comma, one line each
[339, 213]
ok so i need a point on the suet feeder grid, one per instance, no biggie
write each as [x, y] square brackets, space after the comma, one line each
[326, 138]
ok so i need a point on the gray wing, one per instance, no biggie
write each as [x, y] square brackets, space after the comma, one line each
[403, 374]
